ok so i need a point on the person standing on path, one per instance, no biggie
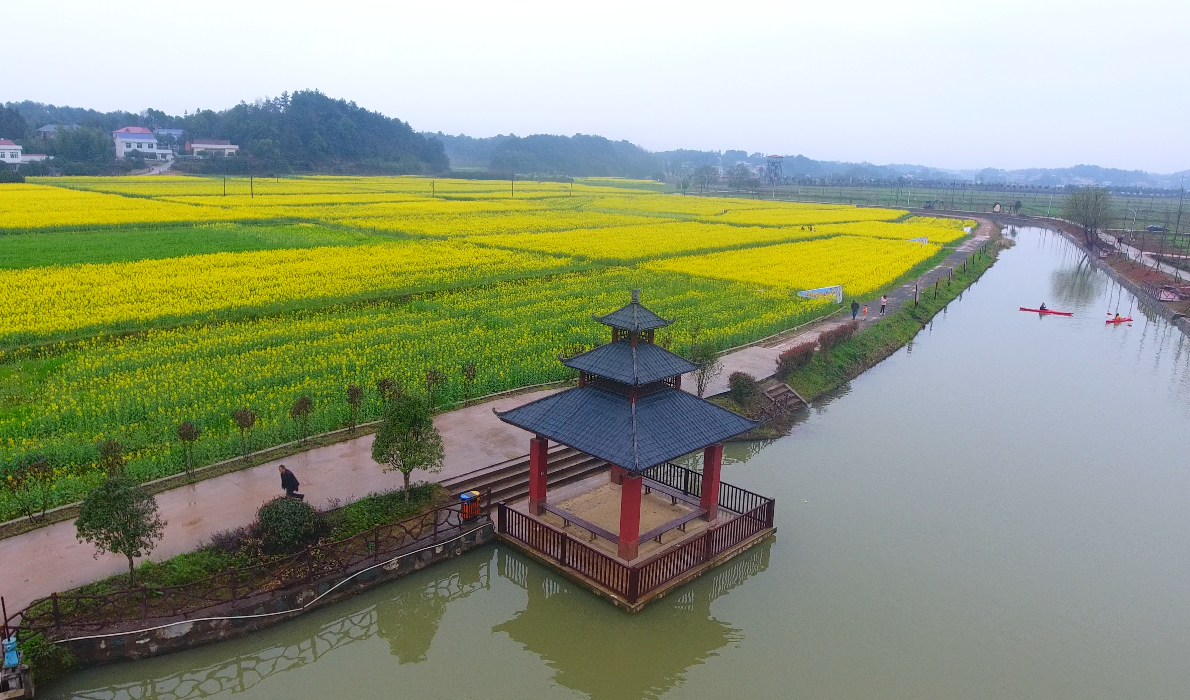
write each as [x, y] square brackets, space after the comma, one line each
[865, 311]
[883, 303]
[290, 483]
[854, 309]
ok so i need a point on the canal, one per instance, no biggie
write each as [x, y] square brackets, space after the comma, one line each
[1000, 510]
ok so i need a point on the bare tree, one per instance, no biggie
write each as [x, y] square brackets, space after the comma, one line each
[188, 433]
[299, 413]
[355, 396]
[1091, 208]
[706, 176]
[245, 420]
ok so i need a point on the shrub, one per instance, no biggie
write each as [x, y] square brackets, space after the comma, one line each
[743, 387]
[795, 357]
[830, 338]
[46, 660]
[287, 525]
[231, 541]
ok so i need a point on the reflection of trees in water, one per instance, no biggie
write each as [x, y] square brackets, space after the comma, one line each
[1078, 283]
[606, 653]
[408, 621]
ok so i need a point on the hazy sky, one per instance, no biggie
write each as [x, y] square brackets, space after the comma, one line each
[961, 84]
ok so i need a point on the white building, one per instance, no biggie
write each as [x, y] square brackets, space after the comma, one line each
[208, 147]
[10, 153]
[140, 140]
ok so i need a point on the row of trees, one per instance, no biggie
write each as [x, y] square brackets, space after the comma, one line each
[121, 517]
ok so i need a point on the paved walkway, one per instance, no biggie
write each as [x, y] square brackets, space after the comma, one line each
[50, 559]
[1145, 258]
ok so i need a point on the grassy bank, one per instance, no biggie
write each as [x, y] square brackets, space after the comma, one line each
[830, 369]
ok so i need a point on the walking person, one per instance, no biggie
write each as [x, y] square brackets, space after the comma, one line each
[865, 311]
[854, 309]
[289, 482]
[883, 303]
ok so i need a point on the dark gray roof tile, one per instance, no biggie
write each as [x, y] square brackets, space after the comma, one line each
[657, 428]
[621, 362]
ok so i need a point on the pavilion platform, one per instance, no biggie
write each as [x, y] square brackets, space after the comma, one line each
[576, 532]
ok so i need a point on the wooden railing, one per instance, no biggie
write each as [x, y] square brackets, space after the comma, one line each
[559, 546]
[632, 581]
[82, 613]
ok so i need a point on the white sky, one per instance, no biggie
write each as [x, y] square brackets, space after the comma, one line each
[960, 84]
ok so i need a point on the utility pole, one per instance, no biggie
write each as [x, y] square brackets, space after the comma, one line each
[512, 183]
[432, 189]
[251, 186]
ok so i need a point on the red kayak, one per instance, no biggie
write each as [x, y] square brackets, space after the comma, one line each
[1126, 319]
[1047, 311]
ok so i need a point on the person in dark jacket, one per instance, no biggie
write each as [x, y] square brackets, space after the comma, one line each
[290, 483]
[854, 309]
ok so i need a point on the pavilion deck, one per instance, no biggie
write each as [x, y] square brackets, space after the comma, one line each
[576, 532]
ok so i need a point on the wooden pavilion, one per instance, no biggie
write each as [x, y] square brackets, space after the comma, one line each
[629, 410]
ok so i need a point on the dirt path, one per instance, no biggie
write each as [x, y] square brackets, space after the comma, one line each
[50, 558]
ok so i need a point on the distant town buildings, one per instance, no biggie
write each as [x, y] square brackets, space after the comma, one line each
[138, 139]
[175, 134]
[209, 147]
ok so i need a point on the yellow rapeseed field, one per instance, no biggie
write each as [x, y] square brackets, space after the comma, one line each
[46, 302]
[918, 227]
[638, 242]
[860, 264]
[34, 206]
[788, 216]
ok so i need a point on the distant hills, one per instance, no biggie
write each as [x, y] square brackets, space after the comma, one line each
[308, 131]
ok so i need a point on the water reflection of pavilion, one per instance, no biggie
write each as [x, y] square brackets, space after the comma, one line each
[606, 655]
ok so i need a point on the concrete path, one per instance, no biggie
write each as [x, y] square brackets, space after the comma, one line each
[50, 559]
[760, 361]
[1144, 258]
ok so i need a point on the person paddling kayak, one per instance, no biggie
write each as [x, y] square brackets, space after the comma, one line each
[1042, 307]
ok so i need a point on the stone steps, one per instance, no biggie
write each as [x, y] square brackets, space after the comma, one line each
[509, 480]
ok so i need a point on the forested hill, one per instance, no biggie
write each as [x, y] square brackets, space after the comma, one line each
[579, 155]
[303, 131]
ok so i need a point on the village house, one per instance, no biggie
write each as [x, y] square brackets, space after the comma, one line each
[10, 153]
[140, 140]
[208, 147]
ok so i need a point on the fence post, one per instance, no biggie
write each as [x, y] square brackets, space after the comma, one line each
[233, 584]
[144, 603]
[54, 603]
[501, 524]
[562, 549]
[633, 584]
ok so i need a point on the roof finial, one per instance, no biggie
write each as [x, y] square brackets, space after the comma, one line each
[636, 296]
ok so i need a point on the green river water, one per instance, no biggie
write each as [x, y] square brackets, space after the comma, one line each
[1000, 510]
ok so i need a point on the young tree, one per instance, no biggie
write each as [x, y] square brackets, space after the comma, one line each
[468, 381]
[434, 380]
[120, 517]
[299, 413]
[355, 396]
[407, 439]
[111, 458]
[1091, 208]
[709, 366]
[245, 420]
[29, 483]
[188, 433]
[388, 388]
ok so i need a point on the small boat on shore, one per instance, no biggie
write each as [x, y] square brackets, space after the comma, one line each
[1047, 311]
[1126, 319]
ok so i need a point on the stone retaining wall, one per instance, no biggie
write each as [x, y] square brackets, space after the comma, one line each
[235, 620]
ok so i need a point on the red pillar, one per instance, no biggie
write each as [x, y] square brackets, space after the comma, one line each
[629, 516]
[538, 448]
[712, 461]
[616, 474]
